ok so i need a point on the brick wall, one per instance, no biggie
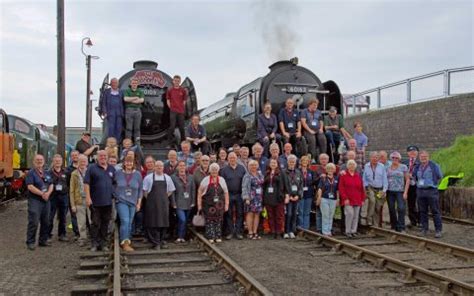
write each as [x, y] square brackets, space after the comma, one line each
[429, 125]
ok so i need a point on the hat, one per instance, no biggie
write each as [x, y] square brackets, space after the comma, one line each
[412, 148]
[395, 154]
[332, 109]
[86, 133]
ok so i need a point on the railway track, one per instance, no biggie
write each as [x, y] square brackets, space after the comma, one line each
[196, 267]
[418, 260]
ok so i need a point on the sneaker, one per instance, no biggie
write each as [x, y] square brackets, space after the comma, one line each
[240, 237]
[229, 236]
[46, 244]
[105, 249]
[126, 247]
[163, 246]
[292, 235]
[31, 247]
[403, 232]
[49, 241]
[355, 234]
[156, 247]
[423, 233]
[286, 236]
[93, 249]
[218, 240]
[438, 234]
[63, 239]
[177, 241]
[348, 235]
[211, 241]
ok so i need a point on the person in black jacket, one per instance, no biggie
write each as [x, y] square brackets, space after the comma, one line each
[294, 192]
[59, 197]
[274, 198]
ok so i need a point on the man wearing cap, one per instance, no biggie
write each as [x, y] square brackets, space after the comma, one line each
[290, 126]
[411, 163]
[133, 98]
[335, 131]
[84, 147]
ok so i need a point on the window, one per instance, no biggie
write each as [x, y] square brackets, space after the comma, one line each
[22, 127]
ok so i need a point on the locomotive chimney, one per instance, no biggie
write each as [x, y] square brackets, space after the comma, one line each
[145, 65]
[293, 61]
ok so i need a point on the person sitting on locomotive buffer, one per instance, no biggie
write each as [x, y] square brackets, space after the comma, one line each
[360, 137]
[134, 98]
[176, 100]
[312, 122]
[267, 127]
[84, 147]
[335, 131]
[196, 135]
[112, 108]
[290, 126]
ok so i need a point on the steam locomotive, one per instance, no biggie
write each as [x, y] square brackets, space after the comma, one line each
[234, 118]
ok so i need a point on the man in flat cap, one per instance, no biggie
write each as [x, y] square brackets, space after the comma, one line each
[411, 163]
[85, 147]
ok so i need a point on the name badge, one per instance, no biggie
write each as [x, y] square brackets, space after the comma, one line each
[294, 188]
[314, 123]
[282, 166]
[290, 125]
[216, 198]
[412, 182]
[59, 187]
[421, 182]
[111, 174]
[44, 189]
[270, 189]
[331, 195]
[258, 191]
[128, 192]
[186, 195]
[305, 188]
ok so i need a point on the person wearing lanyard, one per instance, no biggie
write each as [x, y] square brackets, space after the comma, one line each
[320, 172]
[257, 151]
[309, 183]
[397, 192]
[213, 200]
[290, 126]
[38, 183]
[183, 198]
[428, 175]
[411, 163]
[196, 135]
[59, 198]
[312, 122]
[252, 194]
[274, 198]
[327, 198]
[267, 128]
[294, 192]
[376, 184]
[128, 195]
[77, 197]
[352, 196]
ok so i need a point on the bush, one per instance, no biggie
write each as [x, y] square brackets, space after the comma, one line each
[458, 158]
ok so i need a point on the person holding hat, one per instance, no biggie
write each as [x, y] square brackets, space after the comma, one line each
[335, 131]
[397, 192]
[411, 163]
[84, 146]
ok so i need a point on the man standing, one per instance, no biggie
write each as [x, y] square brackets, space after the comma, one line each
[112, 108]
[39, 187]
[233, 174]
[171, 164]
[69, 170]
[290, 126]
[283, 159]
[428, 175]
[59, 198]
[359, 155]
[376, 184]
[196, 135]
[158, 188]
[84, 146]
[99, 188]
[312, 122]
[257, 151]
[134, 98]
[185, 154]
[176, 97]
[411, 163]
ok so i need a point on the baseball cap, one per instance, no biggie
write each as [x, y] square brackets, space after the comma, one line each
[332, 109]
[412, 148]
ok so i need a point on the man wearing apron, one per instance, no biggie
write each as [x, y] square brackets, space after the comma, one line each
[158, 188]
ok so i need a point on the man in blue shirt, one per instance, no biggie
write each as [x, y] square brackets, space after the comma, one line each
[290, 127]
[376, 184]
[360, 137]
[196, 135]
[99, 188]
[312, 123]
[185, 154]
[38, 183]
[427, 176]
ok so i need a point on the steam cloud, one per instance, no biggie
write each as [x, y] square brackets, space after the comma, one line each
[274, 21]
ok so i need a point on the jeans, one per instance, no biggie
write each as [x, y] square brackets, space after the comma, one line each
[352, 218]
[182, 221]
[100, 217]
[137, 225]
[429, 199]
[396, 208]
[334, 138]
[38, 212]
[60, 204]
[133, 120]
[304, 209]
[328, 208]
[114, 126]
[176, 118]
[125, 212]
[236, 203]
[316, 143]
[291, 212]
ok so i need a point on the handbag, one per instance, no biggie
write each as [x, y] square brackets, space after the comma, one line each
[198, 220]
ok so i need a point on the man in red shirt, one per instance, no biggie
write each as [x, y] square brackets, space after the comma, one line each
[176, 101]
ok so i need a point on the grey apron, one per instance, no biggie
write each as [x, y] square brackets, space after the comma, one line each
[157, 205]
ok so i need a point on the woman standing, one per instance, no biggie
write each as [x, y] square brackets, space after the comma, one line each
[274, 198]
[327, 198]
[352, 193]
[183, 198]
[128, 195]
[309, 183]
[222, 162]
[294, 192]
[213, 199]
[77, 197]
[252, 194]
[397, 192]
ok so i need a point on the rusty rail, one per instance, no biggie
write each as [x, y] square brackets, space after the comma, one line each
[411, 272]
[251, 285]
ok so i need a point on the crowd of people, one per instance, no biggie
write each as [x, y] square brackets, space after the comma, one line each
[271, 188]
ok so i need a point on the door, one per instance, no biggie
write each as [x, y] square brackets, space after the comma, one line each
[191, 103]
[6, 147]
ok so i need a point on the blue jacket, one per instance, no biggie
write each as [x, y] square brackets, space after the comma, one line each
[437, 174]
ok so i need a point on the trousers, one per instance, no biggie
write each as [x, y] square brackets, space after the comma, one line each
[59, 204]
[133, 120]
[236, 204]
[100, 217]
[352, 218]
[38, 213]
[428, 199]
[316, 143]
[291, 212]
[176, 119]
[276, 218]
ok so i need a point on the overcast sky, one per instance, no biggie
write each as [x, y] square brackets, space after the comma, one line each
[222, 45]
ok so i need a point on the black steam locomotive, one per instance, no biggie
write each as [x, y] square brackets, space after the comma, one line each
[234, 118]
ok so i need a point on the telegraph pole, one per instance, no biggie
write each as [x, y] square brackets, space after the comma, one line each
[61, 87]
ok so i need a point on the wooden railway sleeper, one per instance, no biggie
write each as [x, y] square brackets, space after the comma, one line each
[380, 263]
[358, 255]
[408, 277]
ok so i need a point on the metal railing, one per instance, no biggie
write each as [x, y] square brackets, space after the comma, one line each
[447, 89]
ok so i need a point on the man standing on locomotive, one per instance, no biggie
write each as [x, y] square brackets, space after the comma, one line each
[112, 108]
[196, 135]
[312, 122]
[134, 98]
[176, 97]
[290, 126]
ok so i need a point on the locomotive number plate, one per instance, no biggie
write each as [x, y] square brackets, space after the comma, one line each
[296, 89]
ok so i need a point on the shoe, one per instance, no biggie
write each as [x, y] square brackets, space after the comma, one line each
[93, 249]
[229, 237]
[355, 234]
[403, 232]
[240, 237]
[77, 237]
[105, 249]
[126, 247]
[438, 234]
[423, 233]
[177, 241]
[211, 241]
[286, 236]
[218, 240]
[31, 247]
[46, 244]
[348, 235]
[292, 235]
[50, 240]
[163, 246]
[156, 247]
[81, 243]
[63, 239]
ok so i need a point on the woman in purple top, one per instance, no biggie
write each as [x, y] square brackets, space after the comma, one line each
[267, 127]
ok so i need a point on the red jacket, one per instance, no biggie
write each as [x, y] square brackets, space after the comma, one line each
[351, 188]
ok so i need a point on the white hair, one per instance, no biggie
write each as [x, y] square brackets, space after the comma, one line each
[214, 167]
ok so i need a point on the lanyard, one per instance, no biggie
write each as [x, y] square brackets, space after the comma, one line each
[412, 165]
[40, 173]
[272, 175]
[292, 176]
[216, 184]
[331, 184]
[184, 180]
[196, 130]
[423, 170]
[57, 174]
[128, 178]
[373, 172]
[305, 173]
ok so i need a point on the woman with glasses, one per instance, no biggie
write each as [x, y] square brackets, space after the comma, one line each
[397, 192]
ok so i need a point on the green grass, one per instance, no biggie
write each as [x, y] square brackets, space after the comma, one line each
[458, 158]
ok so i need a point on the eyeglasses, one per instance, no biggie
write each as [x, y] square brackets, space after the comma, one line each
[206, 160]
[395, 158]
